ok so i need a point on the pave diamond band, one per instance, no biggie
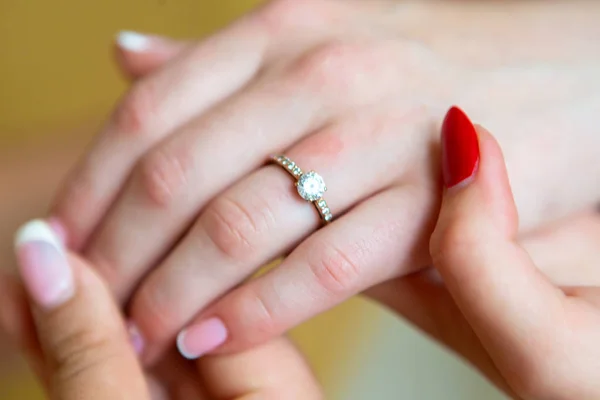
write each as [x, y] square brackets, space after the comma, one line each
[310, 185]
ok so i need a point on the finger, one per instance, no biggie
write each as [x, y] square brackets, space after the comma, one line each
[175, 181]
[590, 294]
[203, 76]
[83, 337]
[138, 54]
[383, 238]
[263, 216]
[505, 298]
[275, 370]
[567, 251]
[422, 299]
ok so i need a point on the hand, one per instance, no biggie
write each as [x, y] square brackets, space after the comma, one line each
[353, 90]
[78, 344]
[534, 339]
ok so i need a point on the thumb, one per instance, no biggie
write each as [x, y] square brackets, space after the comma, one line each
[138, 54]
[506, 300]
[85, 343]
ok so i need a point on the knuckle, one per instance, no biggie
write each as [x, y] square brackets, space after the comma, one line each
[153, 313]
[79, 353]
[264, 321]
[334, 67]
[326, 63]
[278, 15]
[163, 176]
[134, 114]
[333, 269]
[454, 242]
[231, 227]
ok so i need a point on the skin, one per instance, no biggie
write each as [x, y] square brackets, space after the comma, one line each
[533, 338]
[491, 301]
[81, 350]
[320, 80]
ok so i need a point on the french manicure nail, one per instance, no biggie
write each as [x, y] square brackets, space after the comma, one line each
[43, 264]
[197, 340]
[460, 148]
[59, 230]
[133, 41]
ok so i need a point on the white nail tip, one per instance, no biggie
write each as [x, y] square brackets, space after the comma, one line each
[133, 41]
[37, 230]
[181, 347]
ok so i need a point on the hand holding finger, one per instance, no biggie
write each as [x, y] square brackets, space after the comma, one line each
[87, 352]
[84, 340]
[541, 339]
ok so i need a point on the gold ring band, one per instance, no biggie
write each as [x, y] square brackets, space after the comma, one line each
[310, 186]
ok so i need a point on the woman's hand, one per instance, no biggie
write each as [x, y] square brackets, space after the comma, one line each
[534, 339]
[353, 90]
[76, 339]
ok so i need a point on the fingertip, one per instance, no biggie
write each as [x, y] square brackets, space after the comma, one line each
[202, 338]
[460, 148]
[472, 159]
[43, 264]
[182, 348]
[139, 54]
[133, 41]
[37, 230]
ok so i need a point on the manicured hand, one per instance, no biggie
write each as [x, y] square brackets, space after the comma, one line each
[486, 299]
[175, 199]
[69, 325]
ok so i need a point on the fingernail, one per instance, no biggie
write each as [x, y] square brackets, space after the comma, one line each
[136, 338]
[43, 264]
[460, 148]
[199, 339]
[59, 230]
[133, 41]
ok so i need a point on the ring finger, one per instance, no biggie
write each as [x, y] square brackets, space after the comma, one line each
[262, 217]
[174, 181]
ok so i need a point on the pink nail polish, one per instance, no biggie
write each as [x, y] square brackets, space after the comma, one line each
[136, 338]
[43, 264]
[199, 339]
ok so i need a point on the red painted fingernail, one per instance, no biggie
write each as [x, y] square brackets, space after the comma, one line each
[460, 148]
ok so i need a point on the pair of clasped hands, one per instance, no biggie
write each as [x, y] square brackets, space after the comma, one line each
[136, 285]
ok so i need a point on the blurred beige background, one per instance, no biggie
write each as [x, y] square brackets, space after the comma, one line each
[57, 81]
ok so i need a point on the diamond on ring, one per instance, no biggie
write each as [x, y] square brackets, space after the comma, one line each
[310, 186]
